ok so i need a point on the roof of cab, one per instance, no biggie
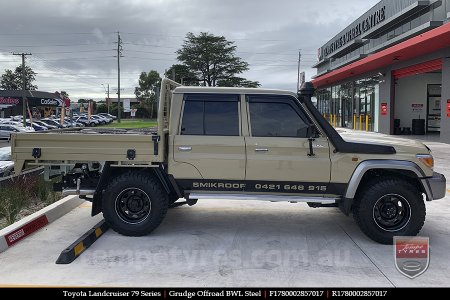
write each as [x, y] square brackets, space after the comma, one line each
[229, 90]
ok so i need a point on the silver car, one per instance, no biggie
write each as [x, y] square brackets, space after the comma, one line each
[6, 130]
[6, 165]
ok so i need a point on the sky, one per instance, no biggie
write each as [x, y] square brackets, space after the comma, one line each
[72, 41]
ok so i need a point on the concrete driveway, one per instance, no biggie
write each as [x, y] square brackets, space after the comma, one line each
[231, 243]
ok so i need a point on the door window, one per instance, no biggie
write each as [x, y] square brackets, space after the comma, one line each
[214, 115]
[276, 119]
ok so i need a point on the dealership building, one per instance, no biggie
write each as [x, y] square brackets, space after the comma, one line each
[41, 104]
[389, 71]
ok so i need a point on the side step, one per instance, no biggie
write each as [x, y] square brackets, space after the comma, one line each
[272, 198]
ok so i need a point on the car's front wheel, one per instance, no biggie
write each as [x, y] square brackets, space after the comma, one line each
[389, 207]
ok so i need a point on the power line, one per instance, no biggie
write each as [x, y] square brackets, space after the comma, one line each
[58, 45]
[52, 67]
[68, 52]
[53, 33]
[183, 36]
[79, 58]
[247, 52]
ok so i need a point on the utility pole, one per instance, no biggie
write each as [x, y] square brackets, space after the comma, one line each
[24, 96]
[107, 101]
[107, 93]
[119, 55]
[298, 70]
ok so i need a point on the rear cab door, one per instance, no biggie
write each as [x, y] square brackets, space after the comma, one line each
[208, 146]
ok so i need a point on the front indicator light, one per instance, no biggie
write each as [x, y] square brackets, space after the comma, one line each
[426, 159]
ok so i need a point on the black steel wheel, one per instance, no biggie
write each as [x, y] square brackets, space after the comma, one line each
[392, 212]
[388, 206]
[134, 203]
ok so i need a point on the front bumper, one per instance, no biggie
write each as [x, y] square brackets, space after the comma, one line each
[435, 187]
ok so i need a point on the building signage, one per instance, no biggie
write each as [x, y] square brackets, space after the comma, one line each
[384, 109]
[448, 108]
[417, 108]
[52, 102]
[9, 100]
[361, 27]
[126, 105]
[45, 102]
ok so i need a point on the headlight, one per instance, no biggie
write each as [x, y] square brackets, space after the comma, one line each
[426, 159]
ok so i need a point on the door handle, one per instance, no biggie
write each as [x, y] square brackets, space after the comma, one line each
[261, 150]
[185, 148]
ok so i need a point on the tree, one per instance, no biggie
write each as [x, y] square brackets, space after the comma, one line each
[8, 81]
[238, 82]
[13, 80]
[64, 94]
[86, 101]
[210, 58]
[146, 91]
[183, 75]
[102, 108]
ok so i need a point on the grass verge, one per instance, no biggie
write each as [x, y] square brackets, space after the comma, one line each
[24, 195]
[131, 124]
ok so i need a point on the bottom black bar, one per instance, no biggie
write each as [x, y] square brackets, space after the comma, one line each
[250, 293]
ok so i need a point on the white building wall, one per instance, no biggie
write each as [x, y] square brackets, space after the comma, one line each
[413, 90]
[384, 121]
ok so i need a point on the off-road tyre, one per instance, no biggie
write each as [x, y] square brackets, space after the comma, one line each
[134, 204]
[388, 207]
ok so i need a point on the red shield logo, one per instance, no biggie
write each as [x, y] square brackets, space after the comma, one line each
[412, 255]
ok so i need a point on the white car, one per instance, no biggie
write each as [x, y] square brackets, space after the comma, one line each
[7, 129]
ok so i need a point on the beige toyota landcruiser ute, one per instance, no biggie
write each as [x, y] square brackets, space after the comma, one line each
[237, 143]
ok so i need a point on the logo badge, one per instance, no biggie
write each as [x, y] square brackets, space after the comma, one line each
[412, 255]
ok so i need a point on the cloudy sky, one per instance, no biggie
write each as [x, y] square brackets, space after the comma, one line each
[72, 41]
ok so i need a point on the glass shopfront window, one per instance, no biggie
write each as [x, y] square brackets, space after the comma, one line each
[352, 101]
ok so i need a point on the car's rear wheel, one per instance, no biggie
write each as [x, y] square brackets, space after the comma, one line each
[389, 207]
[134, 204]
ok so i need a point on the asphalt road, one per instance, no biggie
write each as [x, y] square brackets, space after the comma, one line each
[232, 243]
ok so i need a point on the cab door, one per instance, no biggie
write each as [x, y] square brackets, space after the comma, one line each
[209, 147]
[278, 149]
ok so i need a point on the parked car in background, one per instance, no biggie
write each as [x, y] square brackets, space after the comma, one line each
[16, 118]
[12, 122]
[6, 165]
[7, 129]
[107, 119]
[15, 123]
[36, 127]
[39, 122]
[108, 115]
[53, 122]
[99, 119]
[85, 121]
